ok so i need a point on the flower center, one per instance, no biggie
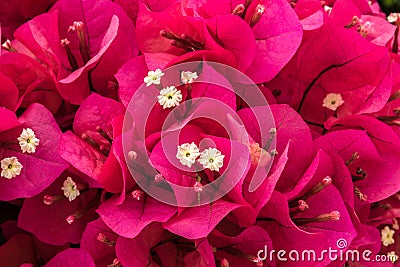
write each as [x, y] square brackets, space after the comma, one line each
[10, 166]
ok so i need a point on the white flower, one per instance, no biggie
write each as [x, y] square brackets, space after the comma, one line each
[187, 154]
[28, 141]
[332, 101]
[153, 77]
[70, 189]
[393, 17]
[211, 158]
[387, 236]
[170, 97]
[392, 256]
[188, 77]
[328, 9]
[10, 167]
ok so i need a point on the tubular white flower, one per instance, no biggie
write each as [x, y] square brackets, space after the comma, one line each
[170, 97]
[153, 77]
[211, 158]
[187, 154]
[332, 101]
[70, 189]
[188, 77]
[28, 141]
[10, 167]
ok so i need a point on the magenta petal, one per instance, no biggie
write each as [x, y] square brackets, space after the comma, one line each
[17, 250]
[111, 43]
[206, 217]
[8, 92]
[81, 155]
[278, 35]
[248, 242]
[43, 43]
[35, 83]
[203, 256]
[71, 87]
[40, 168]
[137, 251]
[72, 257]
[236, 36]
[129, 218]
[378, 157]
[8, 119]
[260, 197]
[97, 249]
[314, 236]
[130, 77]
[97, 111]
[45, 220]
[291, 127]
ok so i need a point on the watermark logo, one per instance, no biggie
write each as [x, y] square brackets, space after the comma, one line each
[340, 253]
[341, 243]
[191, 95]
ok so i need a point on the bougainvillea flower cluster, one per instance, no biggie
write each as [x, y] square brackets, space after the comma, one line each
[272, 125]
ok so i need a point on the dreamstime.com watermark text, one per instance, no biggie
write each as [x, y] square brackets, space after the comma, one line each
[340, 253]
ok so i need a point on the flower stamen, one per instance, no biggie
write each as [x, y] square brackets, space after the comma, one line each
[103, 239]
[332, 216]
[71, 58]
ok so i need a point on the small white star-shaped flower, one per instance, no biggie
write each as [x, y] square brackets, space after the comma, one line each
[387, 236]
[332, 101]
[187, 154]
[70, 189]
[170, 97]
[28, 141]
[10, 167]
[211, 158]
[153, 77]
[188, 77]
